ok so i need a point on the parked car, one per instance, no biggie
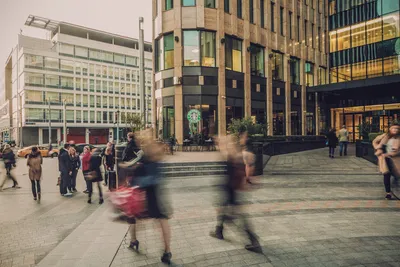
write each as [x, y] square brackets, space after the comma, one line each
[79, 147]
[44, 151]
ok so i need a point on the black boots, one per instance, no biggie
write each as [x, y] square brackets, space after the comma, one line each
[218, 233]
[166, 257]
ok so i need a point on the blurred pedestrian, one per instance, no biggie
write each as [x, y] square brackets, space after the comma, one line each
[388, 152]
[129, 153]
[235, 181]
[248, 157]
[95, 175]
[9, 163]
[76, 164]
[65, 168]
[332, 142]
[109, 162]
[343, 140]
[86, 166]
[34, 163]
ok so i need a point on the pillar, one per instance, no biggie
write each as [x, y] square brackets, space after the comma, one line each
[87, 133]
[222, 123]
[288, 105]
[40, 130]
[269, 95]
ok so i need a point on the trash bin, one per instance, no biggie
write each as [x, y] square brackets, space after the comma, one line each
[258, 153]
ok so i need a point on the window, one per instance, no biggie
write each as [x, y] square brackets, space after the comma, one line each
[319, 39]
[389, 6]
[52, 81]
[67, 82]
[281, 21]
[391, 65]
[273, 16]
[239, 9]
[294, 71]
[91, 85]
[343, 38]
[119, 59]
[333, 41]
[208, 49]
[374, 31]
[309, 71]
[131, 61]
[257, 60]
[169, 4]
[169, 51]
[85, 84]
[96, 55]
[66, 49]
[158, 55]
[277, 66]
[67, 66]
[98, 116]
[358, 35]
[188, 2]
[312, 36]
[209, 3]
[78, 84]
[35, 62]
[85, 116]
[374, 68]
[226, 6]
[233, 54]
[321, 76]
[262, 22]
[251, 10]
[81, 52]
[34, 79]
[92, 101]
[108, 57]
[298, 28]
[305, 31]
[290, 25]
[78, 101]
[391, 26]
[51, 63]
[359, 71]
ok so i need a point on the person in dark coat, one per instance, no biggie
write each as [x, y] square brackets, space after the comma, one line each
[65, 168]
[128, 154]
[34, 163]
[76, 164]
[95, 173]
[9, 163]
[332, 142]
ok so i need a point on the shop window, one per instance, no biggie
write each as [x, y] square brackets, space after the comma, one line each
[233, 54]
[257, 60]
[169, 51]
[391, 26]
[277, 66]
[278, 119]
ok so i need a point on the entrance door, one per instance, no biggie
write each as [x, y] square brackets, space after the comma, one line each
[352, 122]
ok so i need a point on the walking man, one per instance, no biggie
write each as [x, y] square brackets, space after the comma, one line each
[343, 140]
[65, 168]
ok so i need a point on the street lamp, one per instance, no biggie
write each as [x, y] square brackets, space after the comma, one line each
[48, 100]
[117, 125]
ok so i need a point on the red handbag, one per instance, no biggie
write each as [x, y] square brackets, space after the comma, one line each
[129, 200]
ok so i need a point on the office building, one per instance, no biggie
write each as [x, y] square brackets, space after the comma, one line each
[217, 60]
[92, 75]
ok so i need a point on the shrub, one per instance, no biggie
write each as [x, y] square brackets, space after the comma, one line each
[246, 124]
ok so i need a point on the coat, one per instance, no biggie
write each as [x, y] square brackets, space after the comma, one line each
[129, 152]
[35, 167]
[64, 161]
[379, 144]
[332, 139]
[8, 158]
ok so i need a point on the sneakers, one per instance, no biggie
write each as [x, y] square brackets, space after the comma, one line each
[68, 194]
[86, 191]
[388, 196]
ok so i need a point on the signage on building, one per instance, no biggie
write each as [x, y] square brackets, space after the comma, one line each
[194, 116]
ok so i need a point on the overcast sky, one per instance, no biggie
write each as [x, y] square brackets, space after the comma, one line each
[114, 16]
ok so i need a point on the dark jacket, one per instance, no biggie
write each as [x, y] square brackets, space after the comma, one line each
[75, 162]
[95, 163]
[332, 139]
[64, 161]
[8, 157]
[129, 152]
[109, 161]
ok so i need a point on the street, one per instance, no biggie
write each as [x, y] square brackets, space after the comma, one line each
[309, 210]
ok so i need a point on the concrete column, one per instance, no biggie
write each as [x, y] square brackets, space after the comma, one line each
[40, 130]
[269, 94]
[110, 134]
[288, 106]
[317, 112]
[220, 48]
[58, 134]
[303, 97]
[178, 53]
[247, 74]
[87, 133]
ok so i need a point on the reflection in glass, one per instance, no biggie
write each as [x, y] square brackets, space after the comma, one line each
[295, 71]
[358, 35]
[233, 54]
[391, 26]
[389, 6]
[191, 50]
[169, 51]
[277, 66]
[207, 49]
[257, 60]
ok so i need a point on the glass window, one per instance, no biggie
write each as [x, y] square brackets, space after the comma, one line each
[272, 16]
[78, 101]
[67, 82]
[298, 28]
[389, 6]
[158, 55]
[333, 41]
[233, 54]
[169, 4]
[96, 55]
[391, 26]
[375, 68]
[321, 76]
[208, 49]
[333, 75]
[169, 51]
[343, 38]
[294, 71]
[91, 70]
[51, 63]
[98, 71]
[78, 83]
[344, 73]
[85, 100]
[312, 36]
[105, 103]
[34, 114]
[98, 116]
[108, 57]
[359, 71]
[226, 6]
[319, 39]
[391, 65]
[131, 61]
[251, 11]
[209, 3]
[290, 25]
[257, 60]
[78, 116]
[85, 116]
[281, 21]
[34, 79]
[33, 96]
[239, 9]
[92, 101]
[81, 52]
[52, 81]
[67, 66]
[305, 32]
[98, 86]
[188, 2]
[309, 70]
[358, 35]
[119, 59]
[69, 98]
[66, 49]
[191, 50]
[262, 22]
[91, 87]
[104, 71]
[277, 66]
[36, 62]
[374, 31]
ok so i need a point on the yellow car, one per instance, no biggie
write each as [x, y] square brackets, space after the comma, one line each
[44, 151]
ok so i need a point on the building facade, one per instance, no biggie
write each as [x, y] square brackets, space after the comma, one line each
[217, 60]
[86, 78]
[363, 93]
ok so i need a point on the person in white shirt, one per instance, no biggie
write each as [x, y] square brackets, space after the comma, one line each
[343, 140]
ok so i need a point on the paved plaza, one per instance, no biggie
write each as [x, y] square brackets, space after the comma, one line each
[308, 210]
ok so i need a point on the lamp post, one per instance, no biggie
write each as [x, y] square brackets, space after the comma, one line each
[117, 126]
[48, 100]
[65, 120]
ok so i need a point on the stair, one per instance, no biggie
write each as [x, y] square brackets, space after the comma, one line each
[183, 169]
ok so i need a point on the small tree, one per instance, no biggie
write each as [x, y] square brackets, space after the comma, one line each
[135, 121]
[246, 124]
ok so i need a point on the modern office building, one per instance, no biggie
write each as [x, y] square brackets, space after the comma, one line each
[216, 60]
[92, 75]
[364, 89]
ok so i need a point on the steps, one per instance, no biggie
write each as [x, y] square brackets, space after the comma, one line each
[183, 169]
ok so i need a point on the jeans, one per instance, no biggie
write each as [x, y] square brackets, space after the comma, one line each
[343, 145]
[331, 151]
[35, 187]
[65, 182]
[73, 179]
[89, 185]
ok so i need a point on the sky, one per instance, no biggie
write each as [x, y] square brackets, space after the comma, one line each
[114, 16]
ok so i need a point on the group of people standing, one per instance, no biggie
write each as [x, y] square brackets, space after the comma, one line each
[333, 140]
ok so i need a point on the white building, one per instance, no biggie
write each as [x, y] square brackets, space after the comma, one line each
[96, 75]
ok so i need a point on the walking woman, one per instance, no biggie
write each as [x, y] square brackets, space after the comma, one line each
[9, 163]
[86, 166]
[34, 163]
[388, 152]
[76, 164]
[108, 162]
[332, 142]
[95, 175]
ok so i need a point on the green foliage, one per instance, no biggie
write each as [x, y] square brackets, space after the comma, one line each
[246, 124]
[134, 121]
